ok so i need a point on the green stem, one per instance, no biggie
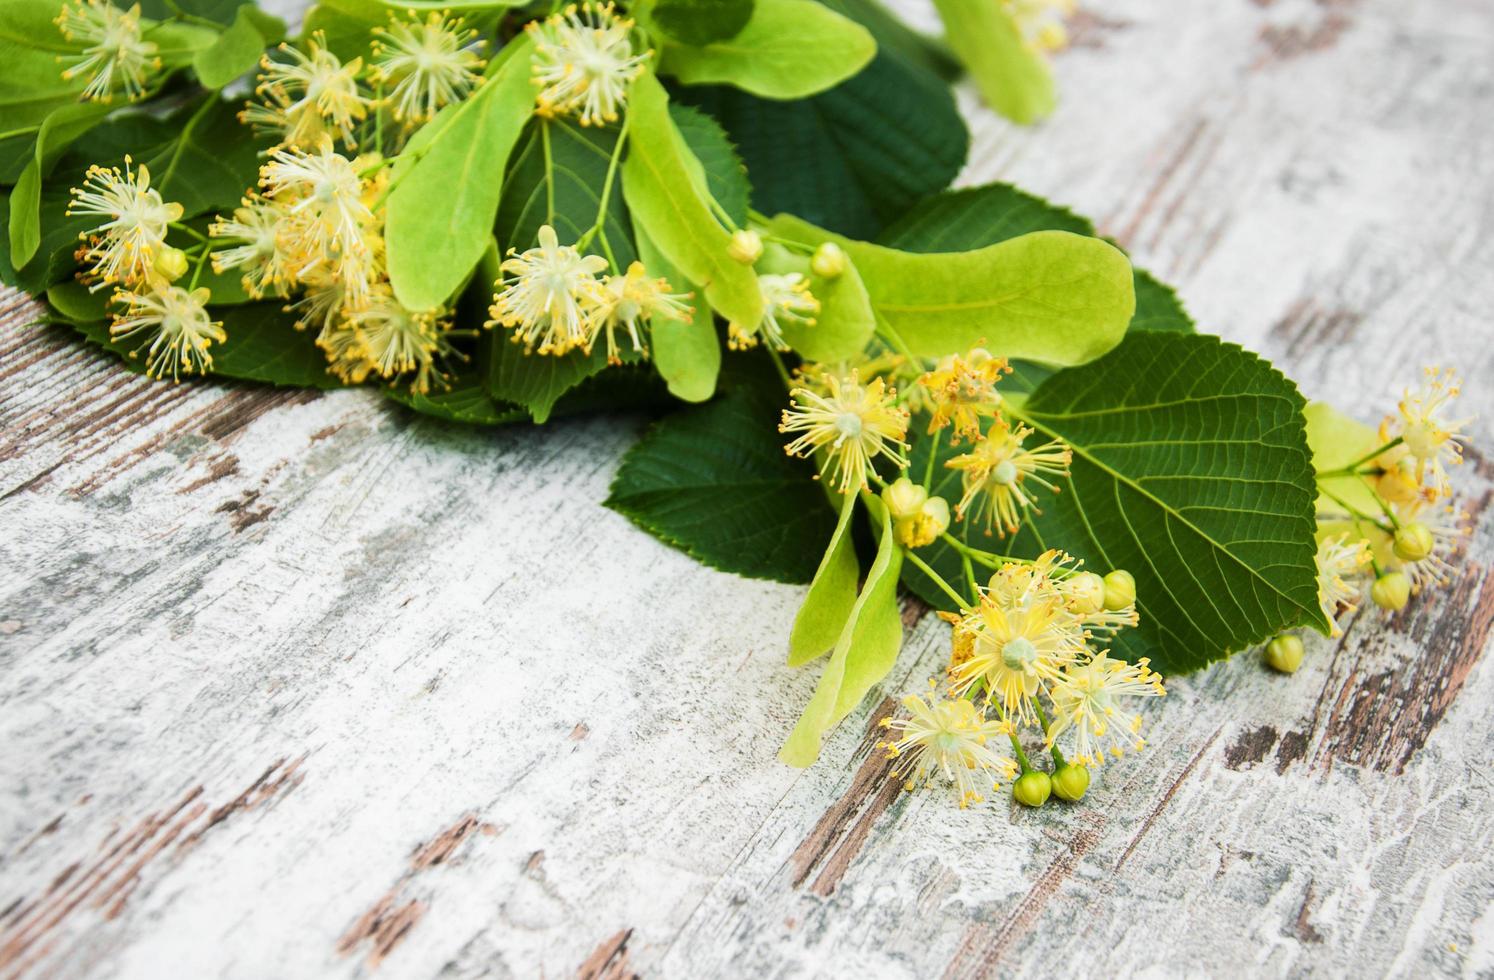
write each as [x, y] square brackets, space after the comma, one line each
[928, 470]
[778, 363]
[1354, 512]
[549, 173]
[617, 151]
[189, 231]
[969, 574]
[936, 578]
[197, 272]
[1058, 760]
[186, 133]
[989, 558]
[1352, 468]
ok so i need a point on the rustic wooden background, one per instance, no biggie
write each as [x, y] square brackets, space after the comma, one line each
[303, 685]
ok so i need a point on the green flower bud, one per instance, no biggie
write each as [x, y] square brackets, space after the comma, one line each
[1070, 782]
[746, 246]
[1086, 592]
[1032, 788]
[1285, 653]
[1413, 542]
[829, 261]
[1391, 591]
[924, 527]
[1120, 590]
[171, 263]
[903, 498]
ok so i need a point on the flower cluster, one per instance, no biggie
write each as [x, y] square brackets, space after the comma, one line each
[1023, 656]
[1390, 519]
[115, 53]
[583, 63]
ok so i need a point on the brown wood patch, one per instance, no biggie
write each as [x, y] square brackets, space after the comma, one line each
[609, 961]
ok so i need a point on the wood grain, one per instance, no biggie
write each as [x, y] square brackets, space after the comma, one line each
[303, 685]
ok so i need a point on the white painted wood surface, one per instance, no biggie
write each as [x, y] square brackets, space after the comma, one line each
[301, 686]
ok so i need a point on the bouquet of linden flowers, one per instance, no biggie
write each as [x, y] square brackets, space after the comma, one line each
[526, 211]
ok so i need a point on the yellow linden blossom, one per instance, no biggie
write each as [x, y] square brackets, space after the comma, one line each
[123, 249]
[174, 328]
[851, 423]
[1431, 438]
[321, 306]
[583, 63]
[326, 215]
[1040, 22]
[1338, 560]
[1083, 592]
[1019, 649]
[1448, 528]
[550, 296]
[628, 300]
[114, 50]
[257, 226]
[962, 391]
[786, 300]
[1089, 698]
[310, 97]
[949, 739]
[430, 64]
[396, 341]
[997, 472]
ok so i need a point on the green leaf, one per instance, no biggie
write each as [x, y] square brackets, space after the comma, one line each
[1158, 306]
[264, 345]
[537, 381]
[790, 49]
[235, 52]
[714, 482]
[864, 652]
[1191, 471]
[725, 174]
[1048, 296]
[957, 220]
[668, 203]
[32, 86]
[699, 22]
[831, 596]
[63, 125]
[895, 37]
[179, 43]
[447, 183]
[466, 401]
[209, 162]
[845, 323]
[1012, 77]
[854, 157]
[687, 355]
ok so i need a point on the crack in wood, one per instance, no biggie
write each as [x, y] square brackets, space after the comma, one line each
[609, 961]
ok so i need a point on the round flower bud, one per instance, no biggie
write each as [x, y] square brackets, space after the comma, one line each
[746, 246]
[1391, 591]
[1032, 788]
[829, 261]
[924, 527]
[1285, 653]
[1070, 782]
[1413, 542]
[1086, 592]
[903, 497]
[171, 263]
[1120, 590]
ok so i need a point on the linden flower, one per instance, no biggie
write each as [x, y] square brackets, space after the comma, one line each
[328, 214]
[551, 297]
[1083, 593]
[1020, 647]
[347, 357]
[583, 62]
[310, 96]
[1449, 529]
[322, 306]
[1088, 698]
[1041, 22]
[174, 324]
[114, 50]
[1431, 438]
[257, 227]
[1339, 559]
[962, 391]
[996, 472]
[786, 299]
[429, 62]
[947, 738]
[124, 248]
[852, 423]
[396, 341]
[629, 299]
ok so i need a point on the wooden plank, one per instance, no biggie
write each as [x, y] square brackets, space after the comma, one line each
[304, 685]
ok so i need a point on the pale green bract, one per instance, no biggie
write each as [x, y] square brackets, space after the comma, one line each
[831, 596]
[1012, 78]
[790, 49]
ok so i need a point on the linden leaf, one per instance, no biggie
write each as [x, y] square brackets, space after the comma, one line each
[864, 652]
[700, 22]
[790, 49]
[1191, 471]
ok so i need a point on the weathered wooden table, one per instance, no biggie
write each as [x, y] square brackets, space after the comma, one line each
[302, 685]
